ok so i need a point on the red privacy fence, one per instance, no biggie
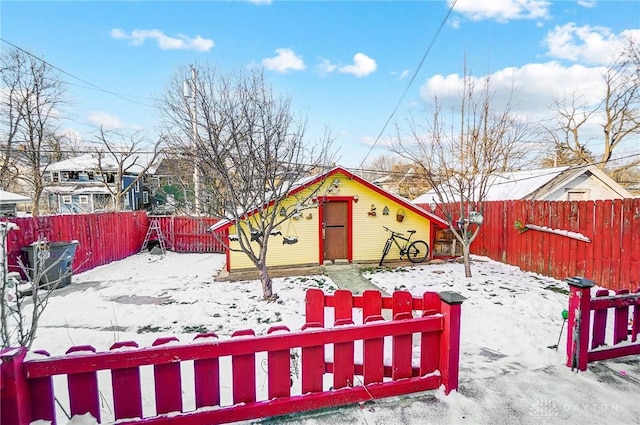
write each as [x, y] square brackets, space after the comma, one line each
[550, 238]
[107, 237]
[190, 234]
[359, 358]
[102, 238]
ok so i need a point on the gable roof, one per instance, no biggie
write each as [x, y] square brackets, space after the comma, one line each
[12, 198]
[534, 184]
[309, 181]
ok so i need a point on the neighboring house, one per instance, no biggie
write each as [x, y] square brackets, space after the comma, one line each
[579, 183]
[76, 185]
[345, 224]
[9, 202]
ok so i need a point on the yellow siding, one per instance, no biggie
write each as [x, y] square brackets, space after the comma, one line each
[368, 234]
[278, 254]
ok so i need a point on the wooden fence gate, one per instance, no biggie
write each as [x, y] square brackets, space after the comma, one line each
[587, 340]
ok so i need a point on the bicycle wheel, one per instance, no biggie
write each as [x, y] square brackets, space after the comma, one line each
[385, 251]
[418, 251]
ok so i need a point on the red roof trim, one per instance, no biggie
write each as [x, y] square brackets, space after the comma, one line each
[340, 170]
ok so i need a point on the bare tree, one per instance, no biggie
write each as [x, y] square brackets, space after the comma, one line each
[125, 158]
[460, 155]
[618, 114]
[249, 150]
[31, 98]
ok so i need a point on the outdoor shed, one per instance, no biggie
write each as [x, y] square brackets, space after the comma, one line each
[345, 223]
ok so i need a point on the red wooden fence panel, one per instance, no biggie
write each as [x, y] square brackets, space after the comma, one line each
[433, 314]
[102, 238]
[611, 258]
[586, 343]
[190, 234]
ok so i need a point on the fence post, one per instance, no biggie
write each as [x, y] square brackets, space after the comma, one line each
[14, 390]
[579, 322]
[451, 308]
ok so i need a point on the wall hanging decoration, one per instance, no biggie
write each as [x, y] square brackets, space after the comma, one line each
[372, 211]
[291, 236]
[385, 210]
[400, 215]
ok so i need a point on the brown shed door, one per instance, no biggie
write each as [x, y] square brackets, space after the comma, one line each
[335, 230]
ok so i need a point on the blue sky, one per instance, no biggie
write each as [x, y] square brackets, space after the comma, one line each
[345, 64]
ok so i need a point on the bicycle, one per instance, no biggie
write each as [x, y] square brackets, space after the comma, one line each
[416, 251]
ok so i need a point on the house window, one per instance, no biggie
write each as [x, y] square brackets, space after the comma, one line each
[577, 195]
[66, 199]
[84, 199]
[126, 200]
[145, 197]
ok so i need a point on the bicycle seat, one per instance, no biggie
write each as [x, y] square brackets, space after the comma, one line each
[411, 231]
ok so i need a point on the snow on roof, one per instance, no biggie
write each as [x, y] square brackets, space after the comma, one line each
[78, 189]
[12, 198]
[89, 162]
[509, 185]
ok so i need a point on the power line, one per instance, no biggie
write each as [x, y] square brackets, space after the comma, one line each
[413, 77]
[94, 86]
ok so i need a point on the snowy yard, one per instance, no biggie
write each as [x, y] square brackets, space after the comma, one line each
[507, 373]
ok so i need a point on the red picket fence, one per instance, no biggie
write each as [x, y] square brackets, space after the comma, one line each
[102, 238]
[190, 234]
[611, 258]
[587, 339]
[344, 364]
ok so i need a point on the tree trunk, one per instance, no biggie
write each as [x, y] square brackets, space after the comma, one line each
[267, 284]
[466, 256]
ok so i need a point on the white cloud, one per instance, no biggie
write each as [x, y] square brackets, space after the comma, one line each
[502, 10]
[593, 45]
[180, 42]
[587, 3]
[326, 66]
[400, 75]
[362, 66]
[109, 122]
[285, 60]
[534, 87]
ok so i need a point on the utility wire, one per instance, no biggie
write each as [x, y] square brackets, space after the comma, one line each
[94, 86]
[413, 77]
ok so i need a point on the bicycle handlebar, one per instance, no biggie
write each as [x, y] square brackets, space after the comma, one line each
[392, 232]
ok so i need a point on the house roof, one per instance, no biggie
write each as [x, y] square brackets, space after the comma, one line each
[89, 162]
[12, 198]
[533, 184]
[309, 181]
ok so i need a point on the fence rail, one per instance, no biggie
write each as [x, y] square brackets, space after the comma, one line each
[344, 364]
[587, 339]
[556, 248]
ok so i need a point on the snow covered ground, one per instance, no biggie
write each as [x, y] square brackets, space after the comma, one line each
[507, 373]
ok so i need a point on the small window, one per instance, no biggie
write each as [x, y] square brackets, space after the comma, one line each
[577, 195]
[66, 199]
[145, 197]
[84, 199]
